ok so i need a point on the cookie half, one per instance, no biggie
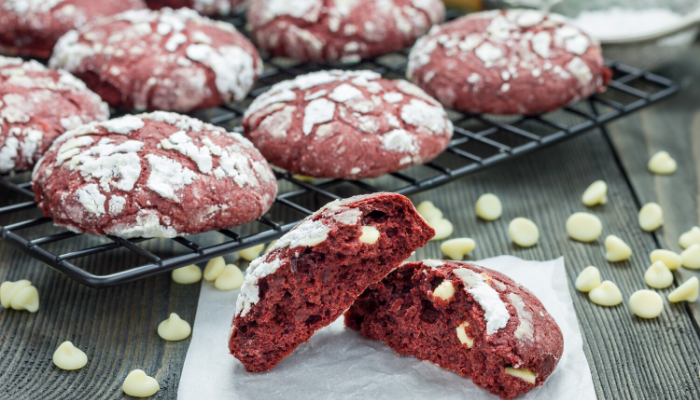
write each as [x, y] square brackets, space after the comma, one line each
[32, 28]
[326, 30]
[172, 60]
[204, 7]
[508, 62]
[36, 106]
[347, 124]
[314, 273]
[464, 318]
[152, 175]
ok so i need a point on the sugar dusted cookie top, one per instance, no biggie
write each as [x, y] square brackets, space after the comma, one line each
[508, 62]
[152, 175]
[174, 60]
[347, 124]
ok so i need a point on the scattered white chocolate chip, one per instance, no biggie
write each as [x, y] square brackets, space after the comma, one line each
[462, 335]
[523, 232]
[231, 278]
[370, 235]
[690, 238]
[669, 258]
[138, 384]
[270, 246]
[595, 194]
[651, 217]
[174, 328]
[661, 163]
[457, 248]
[616, 249]
[67, 357]
[187, 275]
[523, 373]
[445, 290]
[443, 228]
[303, 178]
[20, 295]
[690, 258]
[251, 253]
[489, 207]
[658, 276]
[584, 227]
[214, 268]
[688, 291]
[606, 294]
[646, 303]
[428, 211]
[588, 279]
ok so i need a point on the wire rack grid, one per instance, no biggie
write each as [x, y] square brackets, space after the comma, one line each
[479, 141]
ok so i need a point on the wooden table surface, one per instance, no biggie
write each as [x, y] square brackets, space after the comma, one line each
[630, 358]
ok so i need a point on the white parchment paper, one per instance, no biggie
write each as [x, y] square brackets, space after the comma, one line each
[339, 363]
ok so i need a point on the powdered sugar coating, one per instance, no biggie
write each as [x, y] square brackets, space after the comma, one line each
[346, 124]
[32, 27]
[203, 7]
[117, 178]
[172, 60]
[489, 62]
[348, 30]
[495, 311]
[36, 106]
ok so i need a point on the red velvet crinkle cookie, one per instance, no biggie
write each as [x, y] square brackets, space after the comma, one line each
[315, 272]
[347, 124]
[204, 7]
[172, 60]
[508, 62]
[347, 30]
[32, 27]
[464, 318]
[36, 106]
[152, 175]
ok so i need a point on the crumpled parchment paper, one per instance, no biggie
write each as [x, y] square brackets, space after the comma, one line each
[339, 363]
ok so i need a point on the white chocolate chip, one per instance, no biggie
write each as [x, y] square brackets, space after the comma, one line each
[251, 253]
[231, 278]
[270, 246]
[214, 268]
[67, 357]
[457, 248]
[595, 194]
[524, 374]
[669, 258]
[616, 249]
[584, 227]
[523, 232]
[646, 303]
[428, 211]
[445, 290]
[303, 178]
[688, 291]
[489, 207]
[658, 276]
[462, 335]
[690, 238]
[20, 295]
[661, 163]
[690, 258]
[651, 217]
[443, 228]
[187, 275]
[174, 328]
[588, 279]
[606, 294]
[370, 235]
[138, 384]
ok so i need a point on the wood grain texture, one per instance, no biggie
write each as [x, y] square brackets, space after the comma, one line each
[673, 126]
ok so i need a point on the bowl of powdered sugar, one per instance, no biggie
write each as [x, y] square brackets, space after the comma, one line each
[643, 33]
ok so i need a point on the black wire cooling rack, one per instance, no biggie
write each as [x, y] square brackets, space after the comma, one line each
[479, 141]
